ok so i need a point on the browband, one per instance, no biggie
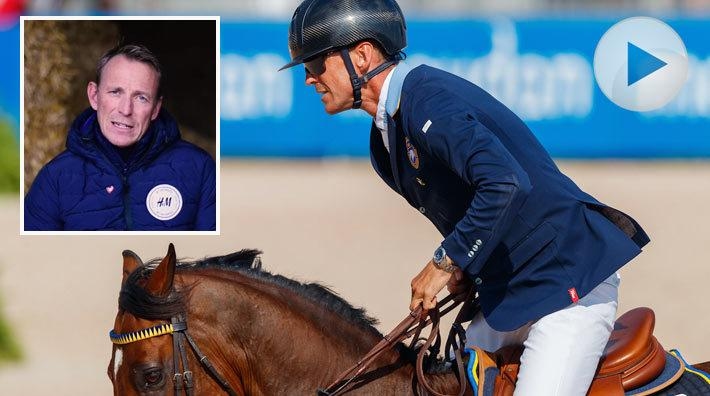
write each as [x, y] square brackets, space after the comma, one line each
[139, 335]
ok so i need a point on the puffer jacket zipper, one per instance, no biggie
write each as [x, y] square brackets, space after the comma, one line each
[127, 200]
[126, 188]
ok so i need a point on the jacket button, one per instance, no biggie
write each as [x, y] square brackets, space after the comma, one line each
[479, 242]
[422, 210]
[478, 281]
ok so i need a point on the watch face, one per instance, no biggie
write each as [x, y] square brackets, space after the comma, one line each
[439, 254]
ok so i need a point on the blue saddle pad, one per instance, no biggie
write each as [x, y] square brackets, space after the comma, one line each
[472, 374]
[669, 375]
[693, 381]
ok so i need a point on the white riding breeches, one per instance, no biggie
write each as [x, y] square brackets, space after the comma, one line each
[562, 349]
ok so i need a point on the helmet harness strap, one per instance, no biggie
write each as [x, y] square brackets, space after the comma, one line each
[357, 82]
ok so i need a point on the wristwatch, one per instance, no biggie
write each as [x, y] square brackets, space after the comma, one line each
[441, 262]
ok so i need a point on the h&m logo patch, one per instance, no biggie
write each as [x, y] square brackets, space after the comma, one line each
[164, 202]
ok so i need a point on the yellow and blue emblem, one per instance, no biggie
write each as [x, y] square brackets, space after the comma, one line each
[412, 153]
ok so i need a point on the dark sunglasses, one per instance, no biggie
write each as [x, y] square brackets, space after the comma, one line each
[316, 66]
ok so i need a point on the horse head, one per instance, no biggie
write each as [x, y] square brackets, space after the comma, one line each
[134, 369]
[145, 357]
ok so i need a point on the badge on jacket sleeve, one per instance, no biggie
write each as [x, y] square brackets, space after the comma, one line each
[412, 153]
[164, 202]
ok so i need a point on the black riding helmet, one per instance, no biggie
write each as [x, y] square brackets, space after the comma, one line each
[321, 26]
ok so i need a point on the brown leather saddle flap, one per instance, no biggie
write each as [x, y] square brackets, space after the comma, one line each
[632, 358]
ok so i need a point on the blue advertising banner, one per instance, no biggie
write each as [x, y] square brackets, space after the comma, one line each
[539, 67]
[10, 73]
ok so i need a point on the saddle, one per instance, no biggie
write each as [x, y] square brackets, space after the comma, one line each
[633, 358]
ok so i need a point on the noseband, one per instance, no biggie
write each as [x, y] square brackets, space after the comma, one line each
[178, 329]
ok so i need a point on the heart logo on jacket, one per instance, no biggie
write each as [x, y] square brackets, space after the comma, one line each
[109, 189]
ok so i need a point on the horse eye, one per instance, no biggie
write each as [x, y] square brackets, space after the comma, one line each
[149, 376]
[153, 378]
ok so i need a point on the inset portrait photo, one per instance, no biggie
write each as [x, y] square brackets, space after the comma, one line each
[120, 124]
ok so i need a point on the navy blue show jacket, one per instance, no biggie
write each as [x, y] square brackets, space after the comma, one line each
[532, 241]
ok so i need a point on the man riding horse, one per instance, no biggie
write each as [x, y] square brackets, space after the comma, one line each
[541, 253]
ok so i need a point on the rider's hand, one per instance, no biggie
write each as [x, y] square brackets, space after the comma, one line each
[426, 285]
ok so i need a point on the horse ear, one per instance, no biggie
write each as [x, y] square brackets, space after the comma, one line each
[131, 261]
[160, 282]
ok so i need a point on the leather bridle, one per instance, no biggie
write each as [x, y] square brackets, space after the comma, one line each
[182, 381]
[412, 326]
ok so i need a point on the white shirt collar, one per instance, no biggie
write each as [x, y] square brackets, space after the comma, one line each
[381, 114]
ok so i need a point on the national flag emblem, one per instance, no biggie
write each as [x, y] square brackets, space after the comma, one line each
[412, 153]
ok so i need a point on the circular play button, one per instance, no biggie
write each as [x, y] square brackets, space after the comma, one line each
[640, 64]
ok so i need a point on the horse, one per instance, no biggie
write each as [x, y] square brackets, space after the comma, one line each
[239, 330]
[262, 334]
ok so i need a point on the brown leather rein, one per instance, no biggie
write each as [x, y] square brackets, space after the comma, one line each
[412, 326]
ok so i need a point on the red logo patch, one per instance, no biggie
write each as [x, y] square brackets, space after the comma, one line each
[573, 295]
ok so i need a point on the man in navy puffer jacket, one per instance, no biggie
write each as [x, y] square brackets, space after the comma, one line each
[125, 166]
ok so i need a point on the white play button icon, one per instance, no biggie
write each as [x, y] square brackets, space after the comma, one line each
[640, 64]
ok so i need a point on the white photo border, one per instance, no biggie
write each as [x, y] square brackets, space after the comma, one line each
[216, 19]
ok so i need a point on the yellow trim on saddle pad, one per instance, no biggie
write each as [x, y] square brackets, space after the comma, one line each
[705, 376]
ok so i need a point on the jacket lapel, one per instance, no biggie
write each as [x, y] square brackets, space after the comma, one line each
[380, 158]
[393, 136]
[377, 148]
